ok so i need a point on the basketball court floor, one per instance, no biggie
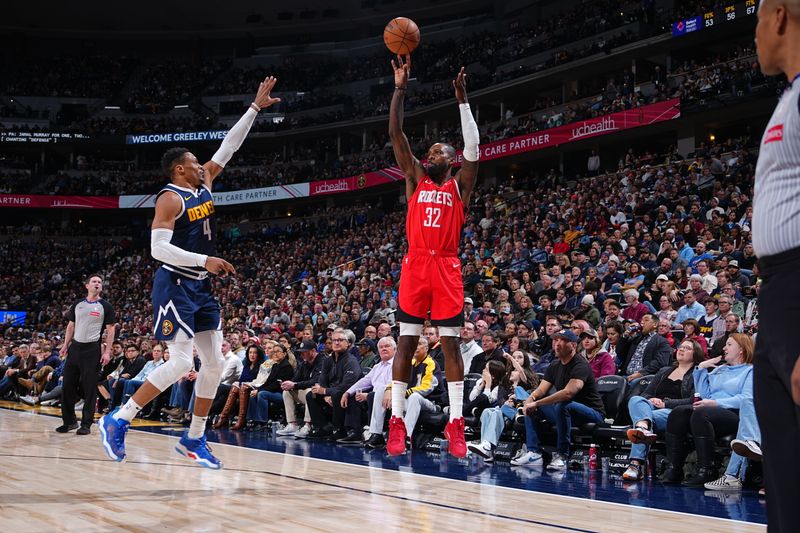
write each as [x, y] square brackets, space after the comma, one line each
[54, 482]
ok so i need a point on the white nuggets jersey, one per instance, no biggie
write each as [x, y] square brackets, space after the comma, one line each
[776, 198]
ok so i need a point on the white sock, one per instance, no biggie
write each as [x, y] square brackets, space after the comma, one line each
[197, 427]
[128, 411]
[399, 398]
[455, 389]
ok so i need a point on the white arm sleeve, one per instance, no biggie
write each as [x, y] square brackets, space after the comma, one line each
[163, 250]
[235, 138]
[469, 129]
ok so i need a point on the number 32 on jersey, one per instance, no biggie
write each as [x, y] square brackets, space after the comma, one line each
[432, 216]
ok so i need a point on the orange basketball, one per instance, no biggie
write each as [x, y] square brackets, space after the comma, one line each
[401, 35]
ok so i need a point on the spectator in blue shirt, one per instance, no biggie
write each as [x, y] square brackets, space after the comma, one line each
[690, 309]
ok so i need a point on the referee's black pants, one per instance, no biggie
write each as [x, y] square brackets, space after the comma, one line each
[80, 379]
[777, 349]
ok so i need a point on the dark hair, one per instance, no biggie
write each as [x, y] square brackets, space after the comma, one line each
[90, 276]
[173, 156]
[698, 355]
[497, 369]
[260, 357]
[616, 325]
[652, 316]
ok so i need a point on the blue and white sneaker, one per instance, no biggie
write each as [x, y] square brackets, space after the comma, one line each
[198, 451]
[527, 459]
[112, 435]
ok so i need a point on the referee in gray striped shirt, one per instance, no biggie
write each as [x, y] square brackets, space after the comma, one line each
[82, 346]
[776, 239]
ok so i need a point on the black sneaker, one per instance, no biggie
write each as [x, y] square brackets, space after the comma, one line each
[376, 442]
[84, 430]
[64, 428]
[353, 438]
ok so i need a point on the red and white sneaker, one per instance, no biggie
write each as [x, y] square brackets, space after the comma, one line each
[396, 445]
[454, 433]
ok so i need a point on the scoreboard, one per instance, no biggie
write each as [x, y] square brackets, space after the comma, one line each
[721, 15]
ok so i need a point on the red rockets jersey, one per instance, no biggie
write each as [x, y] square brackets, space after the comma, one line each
[435, 217]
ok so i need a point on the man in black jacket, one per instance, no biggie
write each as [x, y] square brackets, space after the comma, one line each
[308, 374]
[334, 382]
[649, 352]
[491, 351]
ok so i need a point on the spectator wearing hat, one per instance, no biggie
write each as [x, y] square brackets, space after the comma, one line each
[691, 308]
[648, 351]
[295, 392]
[601, 363]
[470, 313]
[589, 312]
[575, 401]
[735, 274]
[493, 321]
[368, 353]
[360, 398]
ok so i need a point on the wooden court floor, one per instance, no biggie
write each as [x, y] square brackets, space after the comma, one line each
[53, 482]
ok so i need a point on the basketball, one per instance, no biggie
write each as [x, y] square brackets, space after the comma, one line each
[401, 35]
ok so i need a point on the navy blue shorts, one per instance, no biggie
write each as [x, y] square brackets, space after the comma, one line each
[182, 303]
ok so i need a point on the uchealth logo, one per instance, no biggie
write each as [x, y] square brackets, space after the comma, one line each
[774, 134]
[593, 128]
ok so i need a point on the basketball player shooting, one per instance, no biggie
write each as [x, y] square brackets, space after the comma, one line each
[186, 314]
[431, 286]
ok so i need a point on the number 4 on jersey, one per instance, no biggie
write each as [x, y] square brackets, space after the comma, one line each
[207, 228]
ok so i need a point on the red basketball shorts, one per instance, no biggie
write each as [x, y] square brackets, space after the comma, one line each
[431, 288]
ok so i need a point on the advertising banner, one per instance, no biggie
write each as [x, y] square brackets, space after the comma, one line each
[246, 196]
[61, 202]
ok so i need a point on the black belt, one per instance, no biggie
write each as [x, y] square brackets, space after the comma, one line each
[772, 263]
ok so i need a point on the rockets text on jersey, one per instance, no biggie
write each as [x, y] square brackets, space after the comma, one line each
[435, 216]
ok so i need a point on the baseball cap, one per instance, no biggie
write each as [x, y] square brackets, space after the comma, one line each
[733, 263]
[588, 300]
[306, 346]
[371, 344]
[331, 326]
[662, 277]
[566, 334]
[468, 300]
[589, 333]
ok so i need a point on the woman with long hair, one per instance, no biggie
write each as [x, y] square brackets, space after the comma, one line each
[254, 358]
[672, 386]
[514, 388]
[722, 391]
[267, 388]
